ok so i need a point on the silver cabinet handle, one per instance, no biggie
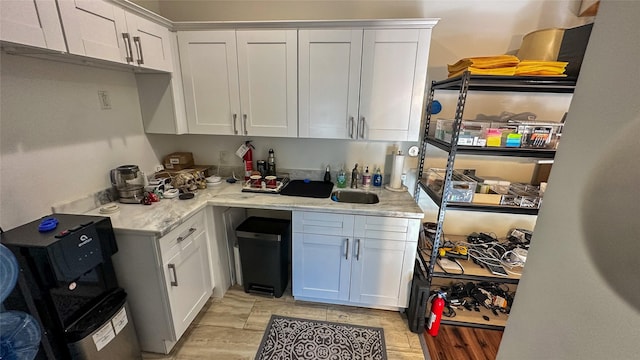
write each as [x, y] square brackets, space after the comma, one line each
[127, 47]
[346, 250]
[358, 249]
[136, 39]
[351, 124]
[235, 129]
[244, 120]
[361, 127]
[191, 231]
[175, 275]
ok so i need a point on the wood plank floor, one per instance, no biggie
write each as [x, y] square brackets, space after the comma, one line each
[231, 328]
[463, 343]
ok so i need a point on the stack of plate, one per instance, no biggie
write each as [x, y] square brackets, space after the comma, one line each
[213, 181]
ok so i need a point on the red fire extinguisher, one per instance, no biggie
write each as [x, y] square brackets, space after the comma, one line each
[437, 306]
[248, 160]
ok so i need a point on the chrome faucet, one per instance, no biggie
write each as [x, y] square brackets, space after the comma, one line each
[354, 177]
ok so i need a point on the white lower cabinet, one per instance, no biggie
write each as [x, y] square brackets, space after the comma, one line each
[168, 280]
[353, 259]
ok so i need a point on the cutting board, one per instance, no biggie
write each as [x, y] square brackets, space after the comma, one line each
[314, 189]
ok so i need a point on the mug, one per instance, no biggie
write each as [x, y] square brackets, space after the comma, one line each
[271, 181]
[256, 181]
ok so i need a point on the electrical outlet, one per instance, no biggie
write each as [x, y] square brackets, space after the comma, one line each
[105, 101]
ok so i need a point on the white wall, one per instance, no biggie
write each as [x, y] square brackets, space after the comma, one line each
[579, 297]
[57, 145]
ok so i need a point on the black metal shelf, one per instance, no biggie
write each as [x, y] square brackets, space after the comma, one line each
[549, 84]
[504, 209]
[494, 151]
[464, 84]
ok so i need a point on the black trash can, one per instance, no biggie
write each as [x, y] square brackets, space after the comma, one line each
[264, 249]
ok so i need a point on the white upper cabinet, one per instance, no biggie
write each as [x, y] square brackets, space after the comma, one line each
[210, 76]
[240, 82]
[31, 22]
[95, 29]
[394, 70]
[329, 78]
[102, 30]
[151, 43]
[362, 84]
[268, 73]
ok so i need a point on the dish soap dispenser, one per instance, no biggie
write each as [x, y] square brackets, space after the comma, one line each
[366, 178]
[377, 178]
[327, 175]
[341, 178]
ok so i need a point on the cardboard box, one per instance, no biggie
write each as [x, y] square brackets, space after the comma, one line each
[203, 169]
[178, 161]
[491, 198]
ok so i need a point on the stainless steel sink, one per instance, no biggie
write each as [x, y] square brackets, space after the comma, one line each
[354, 197]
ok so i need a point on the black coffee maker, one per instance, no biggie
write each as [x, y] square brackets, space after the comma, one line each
[67, 282]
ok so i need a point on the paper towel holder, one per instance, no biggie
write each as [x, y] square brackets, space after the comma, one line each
[402, 187]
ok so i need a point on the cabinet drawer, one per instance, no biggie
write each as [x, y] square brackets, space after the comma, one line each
[384, 228]
[181, 236]
[322, 223]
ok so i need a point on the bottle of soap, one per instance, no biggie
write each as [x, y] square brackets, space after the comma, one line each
[341, 178]
[377, 178]
[327, 175]
[366, 178]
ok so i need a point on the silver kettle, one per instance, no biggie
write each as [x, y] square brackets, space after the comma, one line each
[129, 182]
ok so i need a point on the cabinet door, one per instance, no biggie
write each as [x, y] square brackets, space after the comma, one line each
[94, 29]
[188, 281]
[151, 43]
[379, 273]
[268, 74]
[210, 77]
[394, 69]
[322, 253]
[376, 271]
[33, 23]
[329, 82]
[321, 266]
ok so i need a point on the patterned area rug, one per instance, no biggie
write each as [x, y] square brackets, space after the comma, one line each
[290, 338]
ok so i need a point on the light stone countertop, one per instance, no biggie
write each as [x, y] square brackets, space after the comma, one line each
[163, 216]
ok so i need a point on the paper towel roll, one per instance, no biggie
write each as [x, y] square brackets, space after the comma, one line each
[396, 172]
